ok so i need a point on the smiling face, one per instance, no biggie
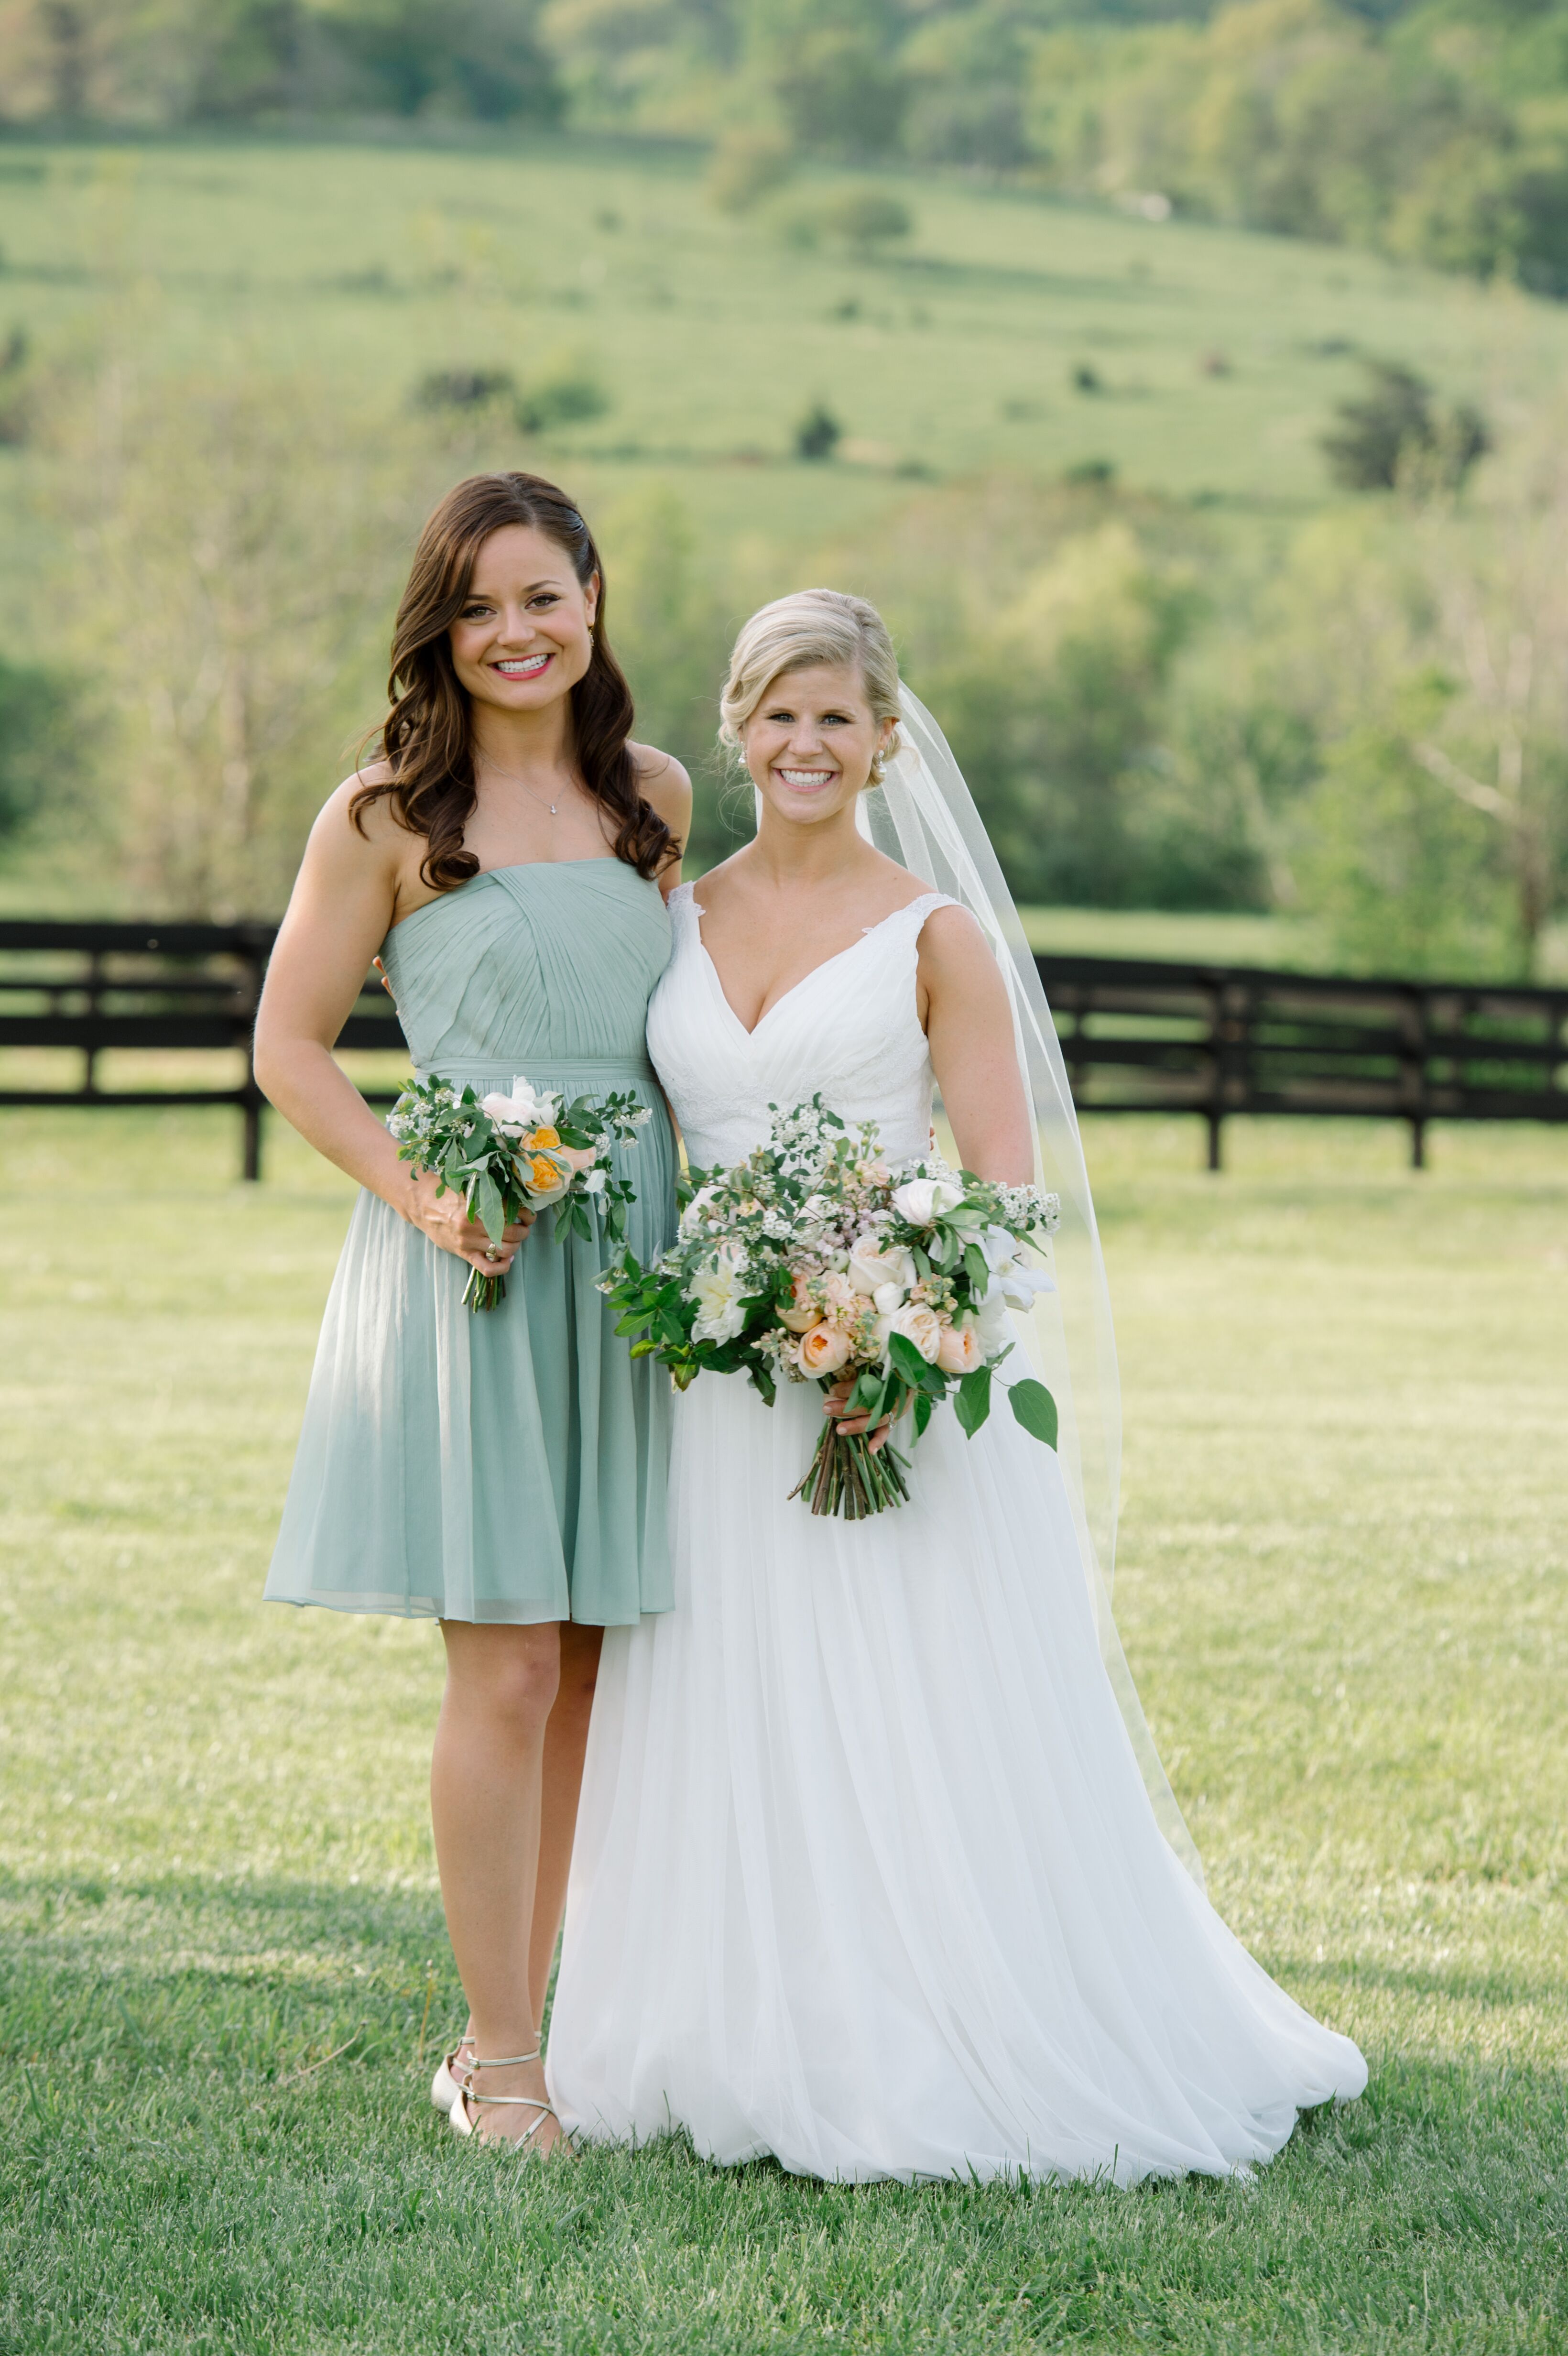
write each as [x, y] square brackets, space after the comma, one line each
[811, 741]
[523, 638]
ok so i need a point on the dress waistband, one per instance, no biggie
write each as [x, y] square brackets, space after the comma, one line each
[528, 1065]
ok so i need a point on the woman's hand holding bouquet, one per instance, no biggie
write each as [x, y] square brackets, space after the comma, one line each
[815, 1261]
[508, 1158]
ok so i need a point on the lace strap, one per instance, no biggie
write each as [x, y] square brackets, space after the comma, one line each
[926, 905]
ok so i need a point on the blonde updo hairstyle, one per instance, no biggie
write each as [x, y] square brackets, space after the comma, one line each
[797, 633]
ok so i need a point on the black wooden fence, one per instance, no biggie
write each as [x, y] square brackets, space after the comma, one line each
[1137, 1036]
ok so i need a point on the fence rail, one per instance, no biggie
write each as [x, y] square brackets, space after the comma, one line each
[1214, 1041]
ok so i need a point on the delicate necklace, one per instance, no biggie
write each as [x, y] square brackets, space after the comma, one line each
[513, 779]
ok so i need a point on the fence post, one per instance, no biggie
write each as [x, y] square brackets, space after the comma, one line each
[251, 1115]
[252, 1101]
[89, 1054]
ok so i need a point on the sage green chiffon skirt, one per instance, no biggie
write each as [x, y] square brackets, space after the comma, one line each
[504, 1466]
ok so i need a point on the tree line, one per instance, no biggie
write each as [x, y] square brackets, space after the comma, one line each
[1436, 131]
[1367, 724]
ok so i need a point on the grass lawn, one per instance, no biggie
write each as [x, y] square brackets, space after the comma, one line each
[223, 1977]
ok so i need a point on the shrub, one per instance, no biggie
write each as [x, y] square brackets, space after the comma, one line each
[747, 165]
[569, 396]
[818, 433]
[866, 218]
[464, 388]
[38, 741]
[1394, 426]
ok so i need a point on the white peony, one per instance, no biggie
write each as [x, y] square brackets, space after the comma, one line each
[872, 1270]
[718, 1288]
[527, 1107]
[922, 1200]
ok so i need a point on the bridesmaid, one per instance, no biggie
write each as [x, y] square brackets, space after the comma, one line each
[502, 1473]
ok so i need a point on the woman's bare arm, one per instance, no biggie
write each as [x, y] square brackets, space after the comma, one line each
[337, 917]
[969, 1026]
[665, 787]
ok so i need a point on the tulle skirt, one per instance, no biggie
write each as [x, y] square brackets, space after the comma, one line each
[866, 1875]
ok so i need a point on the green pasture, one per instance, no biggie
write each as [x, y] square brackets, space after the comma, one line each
[1344, 1587]
[1219, 355]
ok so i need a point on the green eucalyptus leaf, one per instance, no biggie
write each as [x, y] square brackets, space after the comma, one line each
[973, 1400]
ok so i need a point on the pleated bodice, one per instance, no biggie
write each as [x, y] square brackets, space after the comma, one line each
[553, 960]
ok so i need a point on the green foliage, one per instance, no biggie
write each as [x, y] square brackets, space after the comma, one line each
[865, 218]
[1404, 873]
[839, 94]
[567, 392]
[670, 628]
[1393, 428]
[1054, 706]
[1439, 132]
[464, 388]
[818, 433]
[748, 164]
[216, 60]
[41, 726]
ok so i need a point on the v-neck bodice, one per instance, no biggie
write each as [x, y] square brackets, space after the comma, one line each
[849, 1029]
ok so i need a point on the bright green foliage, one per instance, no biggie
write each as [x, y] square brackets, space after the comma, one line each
[223, 1975]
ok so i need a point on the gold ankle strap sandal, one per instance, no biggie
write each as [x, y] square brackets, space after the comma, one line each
[464, 2125]
[448, 2071]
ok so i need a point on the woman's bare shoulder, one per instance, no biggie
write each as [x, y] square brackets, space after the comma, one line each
[369, 832]
[662, 781]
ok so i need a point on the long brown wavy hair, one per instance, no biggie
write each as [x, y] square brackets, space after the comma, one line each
[427, 737]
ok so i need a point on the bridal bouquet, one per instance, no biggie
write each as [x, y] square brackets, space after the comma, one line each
[813, 1260]
[509, 1154]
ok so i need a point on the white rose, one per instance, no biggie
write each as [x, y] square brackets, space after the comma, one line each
[922, 1200]
[886, 1298]
[873, 1269]
[718, 1289]
[920, 1326]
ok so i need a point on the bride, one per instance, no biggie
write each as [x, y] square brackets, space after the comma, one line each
[876, 1869]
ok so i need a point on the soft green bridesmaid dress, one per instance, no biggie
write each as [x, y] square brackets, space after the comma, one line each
[509, 1465]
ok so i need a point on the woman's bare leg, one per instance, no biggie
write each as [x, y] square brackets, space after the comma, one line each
[565, 1742]
[485, 1783]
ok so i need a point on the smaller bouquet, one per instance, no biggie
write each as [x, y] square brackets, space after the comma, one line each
[813, 1260]
[505, 1155]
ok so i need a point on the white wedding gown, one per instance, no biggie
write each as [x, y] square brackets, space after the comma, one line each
[866, 1875]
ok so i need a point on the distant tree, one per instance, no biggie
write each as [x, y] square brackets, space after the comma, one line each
[464, 388]
[40, 742]
[865, 218]
[748, 164]
[481, 58]
[842, 87]
[235, 545]
[1394, 425]
[818, 433]
[567, 392]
